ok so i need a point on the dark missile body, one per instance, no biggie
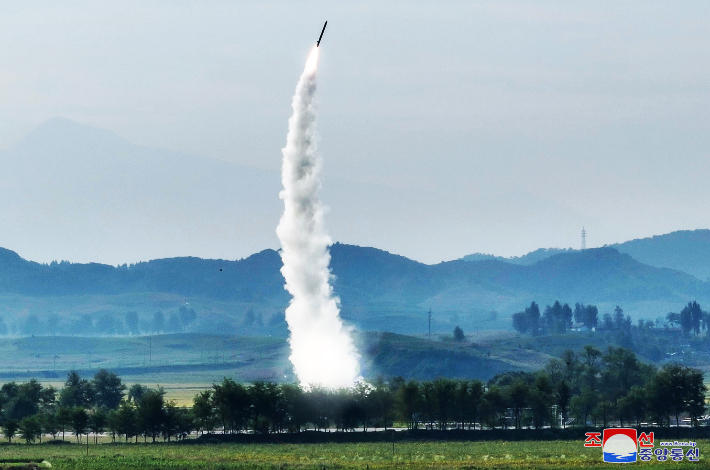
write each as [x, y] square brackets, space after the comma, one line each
[321, 34]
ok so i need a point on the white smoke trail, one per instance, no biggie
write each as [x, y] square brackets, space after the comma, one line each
[322, 350]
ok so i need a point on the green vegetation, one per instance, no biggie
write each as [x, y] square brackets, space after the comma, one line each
[189, 362]
[676, 334]
[364, 456]
[591, 387]
[379, 291]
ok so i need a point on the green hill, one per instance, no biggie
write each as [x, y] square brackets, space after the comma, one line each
[684, 250]
[378, 290]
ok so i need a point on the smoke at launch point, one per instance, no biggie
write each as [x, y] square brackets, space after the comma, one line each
[322, 350]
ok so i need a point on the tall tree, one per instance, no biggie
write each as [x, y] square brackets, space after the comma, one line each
[127, 420]
[444, 390]
[158, 324]
[408, 402]
[674, 390]
[151, 412]
[496, 403]
[9, 428]
[691, 318]
[64, 418]
[202, 411]
[97, 422]
[76, 392]
[533, 314]
[572, 368]
[79, 422]
[135, 393]
[107, 389]
[518, 397]
[131, 320]
[587, 315]
[521, 322]
[591, 356]
[541, 398]
[458, 334]
[621, 371]
[474, 398]
[563, 397]
[618, 318]
[583, 404]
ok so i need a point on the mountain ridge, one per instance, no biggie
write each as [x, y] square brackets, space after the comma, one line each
[682, 250]
[378, 290]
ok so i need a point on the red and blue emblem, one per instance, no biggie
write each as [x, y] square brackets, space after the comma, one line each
[619, 445]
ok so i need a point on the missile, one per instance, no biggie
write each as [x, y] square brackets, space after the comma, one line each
[321, 34]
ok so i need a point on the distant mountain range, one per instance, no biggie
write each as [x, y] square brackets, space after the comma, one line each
[684, 250]
[382, 291]
[66, 182]
[525, 260]
[76, 192]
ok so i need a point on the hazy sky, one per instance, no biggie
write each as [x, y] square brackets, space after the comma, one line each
[553, 114]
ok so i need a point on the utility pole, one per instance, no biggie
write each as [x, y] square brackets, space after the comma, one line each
[150, 351]
[429, 324]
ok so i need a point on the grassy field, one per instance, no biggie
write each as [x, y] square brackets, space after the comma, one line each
[186, 363]
[181, 363]
[408, 455]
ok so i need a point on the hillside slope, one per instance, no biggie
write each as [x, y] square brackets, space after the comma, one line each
[684, 250]
[378, 290]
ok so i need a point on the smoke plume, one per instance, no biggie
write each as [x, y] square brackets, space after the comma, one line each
[322, 350]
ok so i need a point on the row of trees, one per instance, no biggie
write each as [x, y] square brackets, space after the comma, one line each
[105, 324]
[692, 319]
[557, 318]
[83, 406]
[587, 387]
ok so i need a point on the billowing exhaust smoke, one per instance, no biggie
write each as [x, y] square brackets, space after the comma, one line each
[322, 350]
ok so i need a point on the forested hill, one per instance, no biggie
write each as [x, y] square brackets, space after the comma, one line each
[527, 259]
[683, 250]
[366, 276]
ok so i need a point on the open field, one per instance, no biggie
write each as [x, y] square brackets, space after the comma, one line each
[181, 363]
[193, 361]
[186, 363]
[406, 455]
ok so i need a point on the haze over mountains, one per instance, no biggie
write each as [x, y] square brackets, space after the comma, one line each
[84, 191]
[684, 250]
[83, 194]
[379, 290]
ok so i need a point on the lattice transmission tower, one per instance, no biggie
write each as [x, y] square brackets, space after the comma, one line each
[584, 239]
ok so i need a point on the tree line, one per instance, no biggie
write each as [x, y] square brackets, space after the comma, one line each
[557, 318]
[96, 406]
[589, 387]
[583, 388]
[105, 324]
[692, 319]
